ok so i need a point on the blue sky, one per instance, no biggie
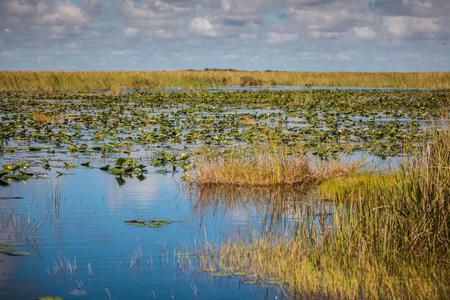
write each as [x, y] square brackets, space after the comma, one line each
[298, 35]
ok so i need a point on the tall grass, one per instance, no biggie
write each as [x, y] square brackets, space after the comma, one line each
[46, 118]
[266, 165]
[120, 80]
[390, 244]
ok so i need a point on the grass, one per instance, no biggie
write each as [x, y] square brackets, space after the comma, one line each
[392, 244]
[266, 165]
[83, 81]
[356, 187]
[45, 118]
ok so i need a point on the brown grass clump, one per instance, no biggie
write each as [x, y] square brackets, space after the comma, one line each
[267, 165]
[45, 118]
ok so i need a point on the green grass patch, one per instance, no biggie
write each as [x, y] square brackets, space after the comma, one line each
[389, 236]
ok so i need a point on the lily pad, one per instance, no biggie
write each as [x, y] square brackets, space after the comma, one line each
[150, 223]
[62, 173]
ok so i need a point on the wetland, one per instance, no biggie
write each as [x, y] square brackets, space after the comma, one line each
[250, 193]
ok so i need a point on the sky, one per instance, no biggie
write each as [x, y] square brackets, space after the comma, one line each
[290, 35]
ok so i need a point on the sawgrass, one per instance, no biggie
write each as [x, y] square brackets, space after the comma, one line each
[267, 165]
[116, 81]
[46, 118]
[391, 241]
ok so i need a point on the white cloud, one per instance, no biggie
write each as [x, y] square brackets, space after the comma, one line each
[130, 32]
[405, 27]
[245, 36]
[152, 14]
[61, 13]
[44, 27]
[365, 33]
[340, 56]
[226, 5]
[19, 8]
[204, 27]
[281, 37]
[337, 18]
[324, 34]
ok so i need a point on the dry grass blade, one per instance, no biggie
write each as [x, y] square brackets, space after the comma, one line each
[267, 165]
[45, 118]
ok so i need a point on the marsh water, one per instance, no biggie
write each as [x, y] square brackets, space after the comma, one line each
[80, 247]
[70, 216]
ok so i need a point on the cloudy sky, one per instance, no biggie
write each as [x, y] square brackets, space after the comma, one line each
[314, 35]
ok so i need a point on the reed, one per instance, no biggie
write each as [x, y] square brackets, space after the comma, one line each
[356, 187]
[144, 80]
[45, 118]
[392, 241]
[266, 165]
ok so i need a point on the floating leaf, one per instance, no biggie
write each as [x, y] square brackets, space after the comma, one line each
[104, 168]
[150, 222]
[62, 173]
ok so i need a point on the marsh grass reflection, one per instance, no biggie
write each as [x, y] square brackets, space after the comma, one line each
[278, 208]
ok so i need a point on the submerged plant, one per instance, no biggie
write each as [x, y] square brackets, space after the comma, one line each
[8, 249]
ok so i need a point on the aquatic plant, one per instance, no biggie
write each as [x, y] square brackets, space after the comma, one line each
[266, 165]
[17, 171]
[385, 123]
[8, 249]
[123, 80]
[153, 223]
[391, 245]
[45, 118]
[357, 187]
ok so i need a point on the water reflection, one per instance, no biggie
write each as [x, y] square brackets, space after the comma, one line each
[280, 210]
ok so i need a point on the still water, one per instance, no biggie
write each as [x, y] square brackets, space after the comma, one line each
[80, 248]
[73, 226]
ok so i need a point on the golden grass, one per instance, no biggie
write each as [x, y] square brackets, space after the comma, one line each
[390, 242]
[83, 81]
[307, 271]
[266, 165]
[45, 118]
